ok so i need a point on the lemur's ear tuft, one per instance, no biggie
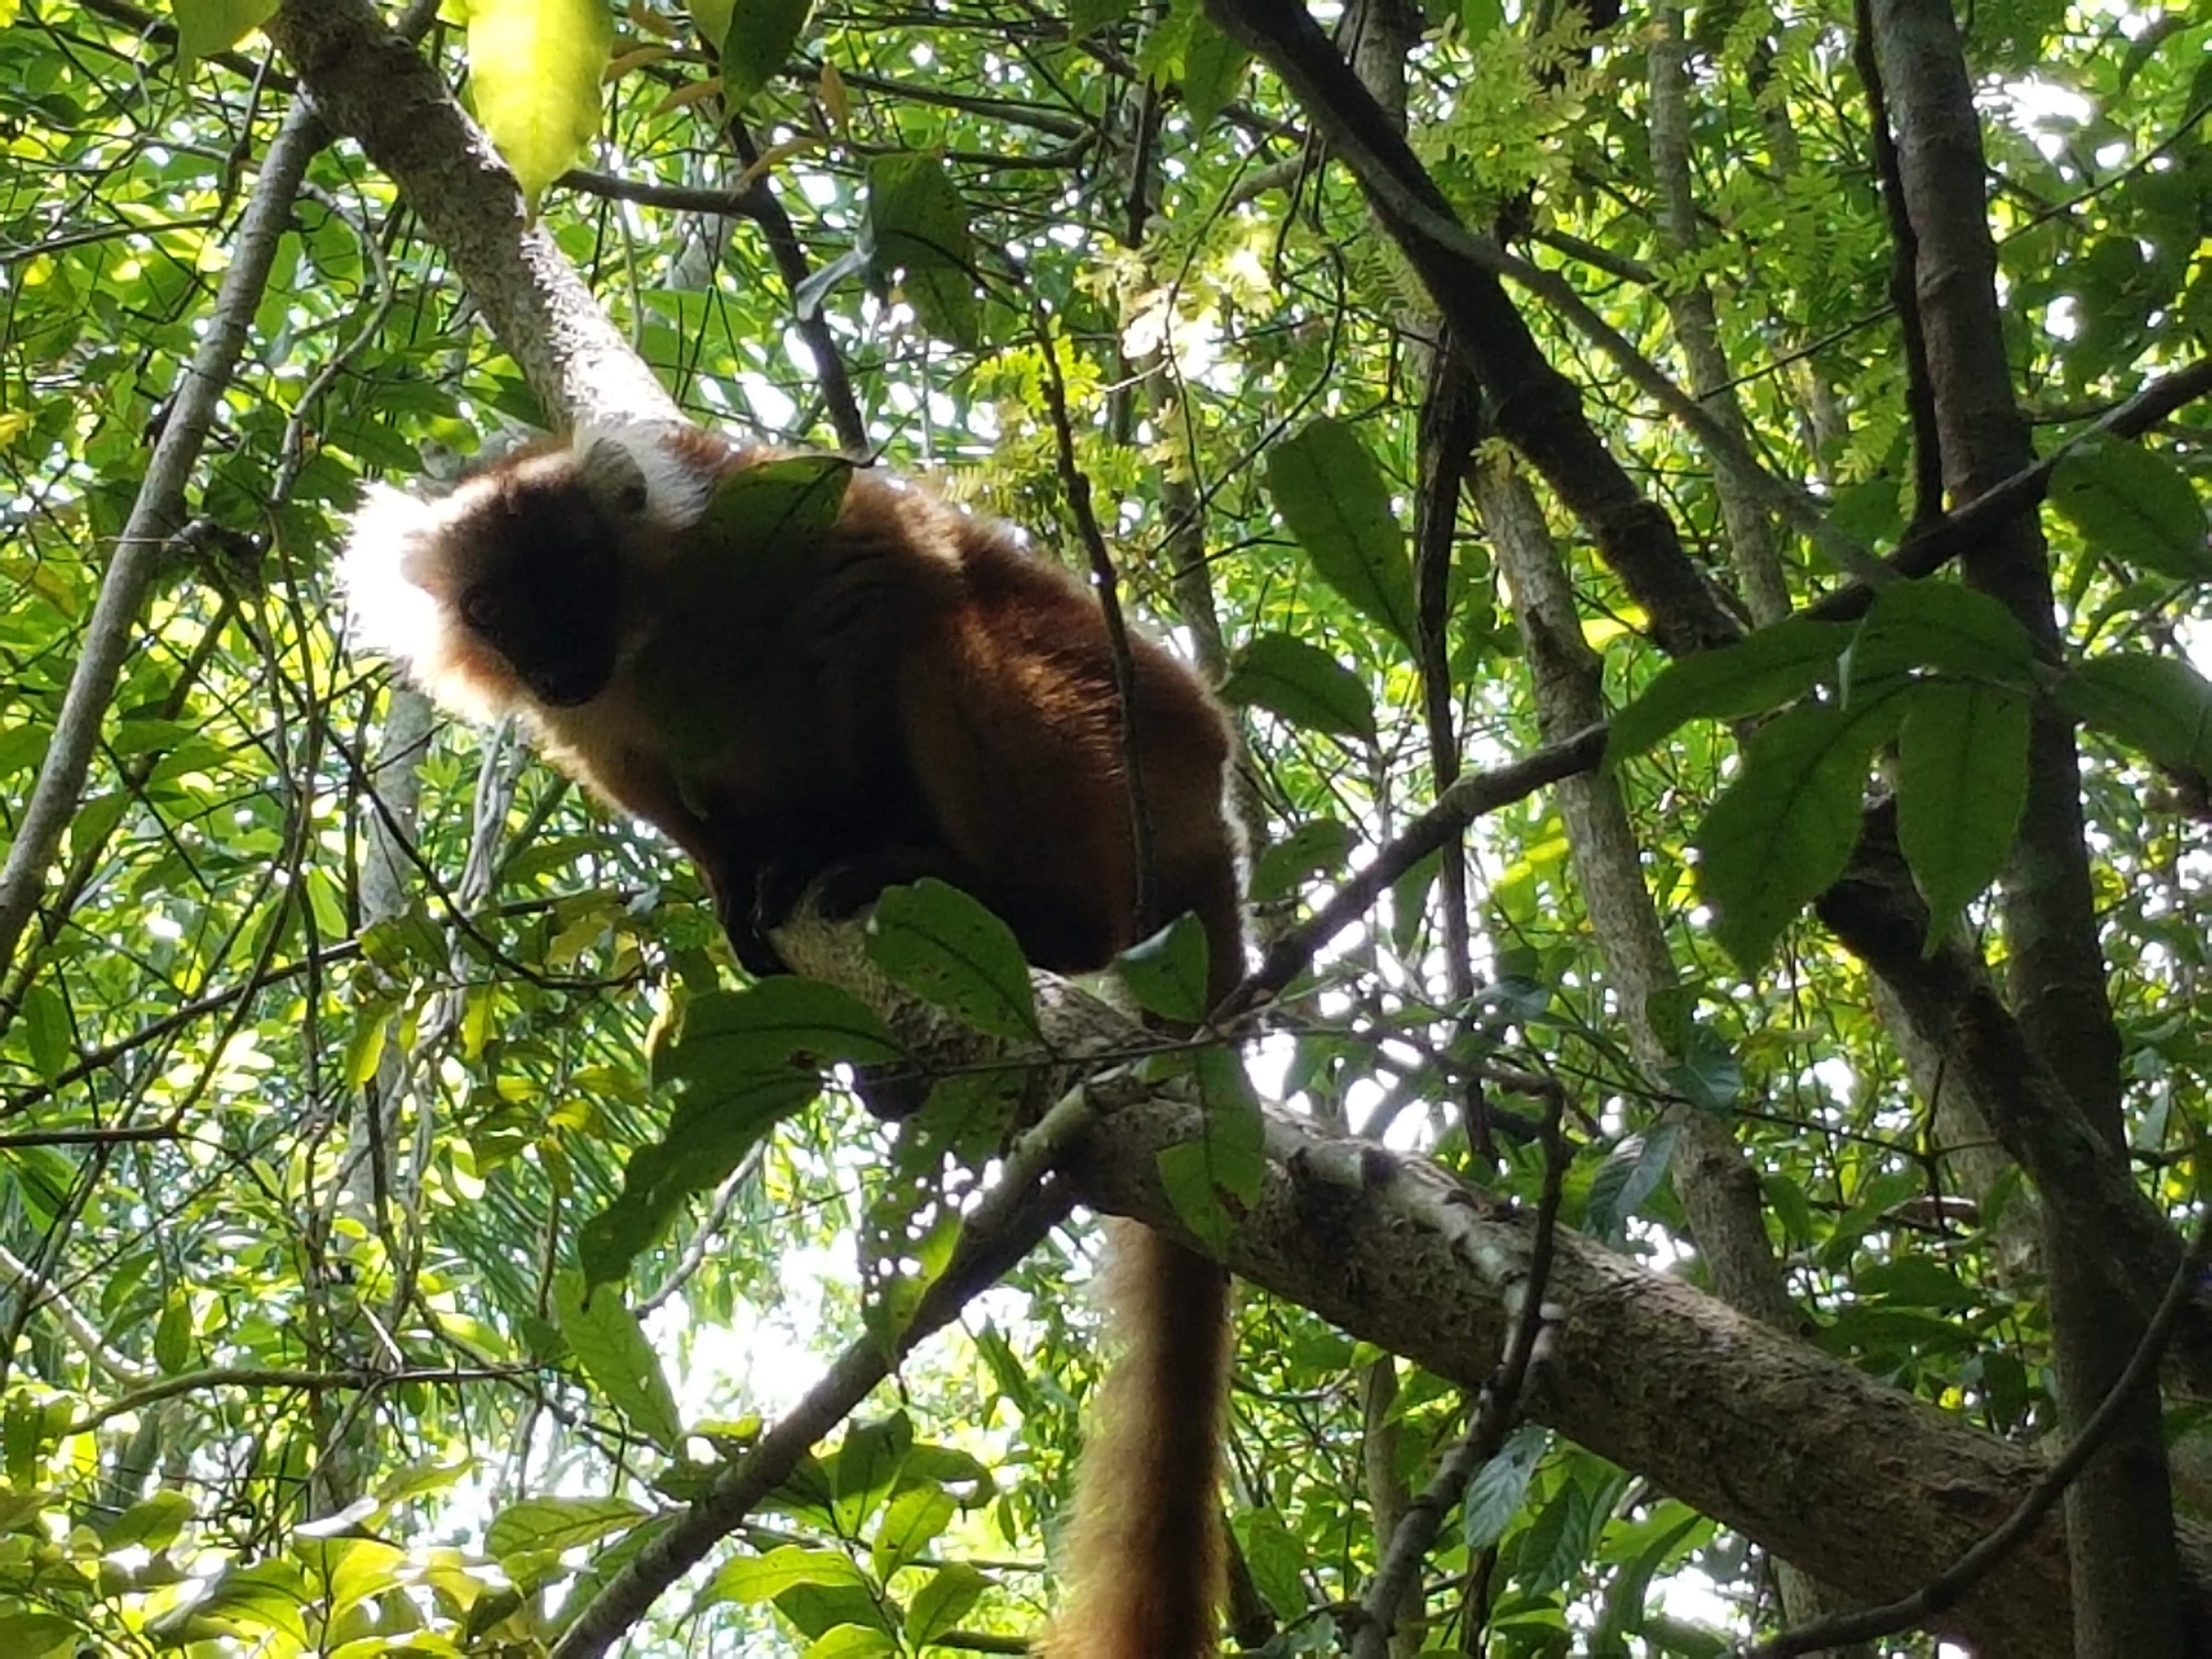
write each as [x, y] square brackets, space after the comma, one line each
[635, 474]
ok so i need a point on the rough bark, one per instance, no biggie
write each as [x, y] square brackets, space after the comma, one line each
[377, 88]
[1752, 543]
[1805, 1455]
[2119, 1512]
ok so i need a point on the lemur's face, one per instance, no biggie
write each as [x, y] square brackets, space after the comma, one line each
[539, 578]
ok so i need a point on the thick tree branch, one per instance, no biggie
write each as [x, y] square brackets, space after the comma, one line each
[1804, 1453]
[372, 85]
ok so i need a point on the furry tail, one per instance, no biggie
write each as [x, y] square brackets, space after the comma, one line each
[1141, 1562]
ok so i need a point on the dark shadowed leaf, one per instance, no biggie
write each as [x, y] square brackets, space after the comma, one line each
[1961, 787]
[1632, 1172]
[1761, 670]
[1166, 973]
[1783, 828]
[947, 949]
[2133, 505]
[916, 234]
[1302, 683]
[1937, 624]
[1500, 1486]
[1332, 496]
[2159, 705]
[757, 45]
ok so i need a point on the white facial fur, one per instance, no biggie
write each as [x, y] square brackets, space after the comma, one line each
[625, 453]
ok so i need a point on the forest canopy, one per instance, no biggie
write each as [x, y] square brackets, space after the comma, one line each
[1697, 514]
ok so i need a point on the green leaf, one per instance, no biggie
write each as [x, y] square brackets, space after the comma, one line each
[173, 1336]
[947, 949]
[1783, 829]
[711, 19]
[917, 228]
[1227, 1160]
[2159, 705]
[912, 1521]
[2133, 505]
[46, 1029]
[1315, 847]
[1632, 1172]
[535, 67]
[757, 44]
[1962, 788]
[605, 1337]
[154, 1524]
[1332, 497]
[205, 27]
[1167, 973]
[734, 1036]
[721, 1116]
[1479, 19]
[940, 1604]
[1707, 1073]
[852, 1642]
[1277, 1558]
[546, 1525]
[37, 1634]
[1764, 670]
[1500, 1486]
[1942, 625]
[1087, 16]
[1214, 71]
[1302, 683]
[774, 513]
[867, 1467]
[755, 1580]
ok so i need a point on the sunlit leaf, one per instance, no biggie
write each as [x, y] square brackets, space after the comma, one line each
[535, 69]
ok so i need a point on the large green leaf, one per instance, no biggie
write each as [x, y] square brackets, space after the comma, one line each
[757, 44]
[547, 1526]
[1761, 670]
[605, 1337]
[1962, 788]
[2133, 505]
[947, 949]
[2160, 705]
[1302, 683]
[1938, 625]
[1783, 829]
[1332, 497]
[205, 27]
[916, 236]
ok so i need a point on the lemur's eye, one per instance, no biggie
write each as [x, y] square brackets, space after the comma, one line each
[480, 609]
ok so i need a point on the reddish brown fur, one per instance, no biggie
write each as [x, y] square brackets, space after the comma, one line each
[940, 701]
